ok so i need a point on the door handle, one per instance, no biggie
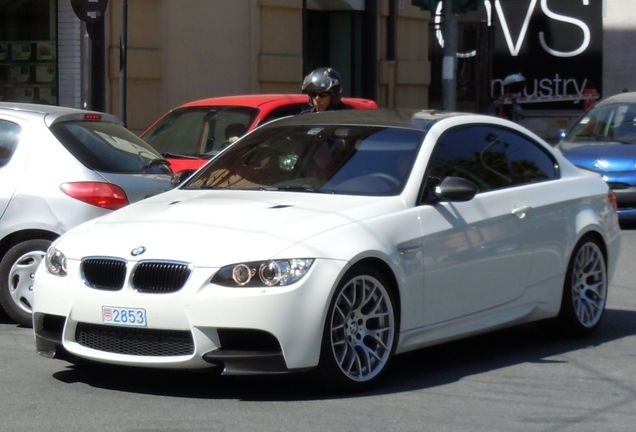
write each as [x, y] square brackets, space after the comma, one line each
[521, 212]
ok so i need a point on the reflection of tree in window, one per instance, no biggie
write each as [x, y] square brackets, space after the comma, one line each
[488, 169]
[526, 171]
[529, 163]
[491, 158]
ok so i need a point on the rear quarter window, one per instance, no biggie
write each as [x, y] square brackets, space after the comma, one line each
[108, 147]
[9, 138]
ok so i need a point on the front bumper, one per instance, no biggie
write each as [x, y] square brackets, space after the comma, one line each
[242, 330]
[626, 199]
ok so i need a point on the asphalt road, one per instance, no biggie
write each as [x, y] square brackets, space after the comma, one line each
[512, 380]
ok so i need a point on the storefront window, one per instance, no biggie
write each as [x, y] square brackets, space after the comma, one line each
[28, 51]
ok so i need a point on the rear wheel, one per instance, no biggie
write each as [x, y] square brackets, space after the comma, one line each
[360, 331]
[584, 292]
[17, 270]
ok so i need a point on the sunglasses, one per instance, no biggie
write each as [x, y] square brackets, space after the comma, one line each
[320, 95]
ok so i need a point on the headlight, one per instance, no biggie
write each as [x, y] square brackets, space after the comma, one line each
[263, 273]
[55, 262]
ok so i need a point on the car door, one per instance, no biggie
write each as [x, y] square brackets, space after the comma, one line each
[477, 254]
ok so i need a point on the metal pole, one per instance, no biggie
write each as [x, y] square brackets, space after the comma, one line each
[85, 55]
[370, 51]
[123, 60]
[449, 64]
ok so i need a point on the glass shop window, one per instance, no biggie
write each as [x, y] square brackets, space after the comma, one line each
[28, 51]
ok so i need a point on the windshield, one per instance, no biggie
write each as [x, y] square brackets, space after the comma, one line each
[606, 124]
[358, 160]
[109, 148]
[199, 132]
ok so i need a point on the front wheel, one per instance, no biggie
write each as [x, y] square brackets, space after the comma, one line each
[584, 292]
[17, 270]
[360, 331]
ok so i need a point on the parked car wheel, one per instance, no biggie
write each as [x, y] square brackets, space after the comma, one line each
[584, 292]
[17, 269]
[360, 331]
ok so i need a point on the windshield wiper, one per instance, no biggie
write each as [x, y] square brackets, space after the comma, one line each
[589, 136]
[290, 189]
[181, 156]
[155, 162]
[586, 138]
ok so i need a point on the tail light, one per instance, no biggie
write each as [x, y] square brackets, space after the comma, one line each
[103, 195]
[611, 196]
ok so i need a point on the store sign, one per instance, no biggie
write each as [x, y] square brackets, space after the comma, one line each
[557, 45]
[89, 10]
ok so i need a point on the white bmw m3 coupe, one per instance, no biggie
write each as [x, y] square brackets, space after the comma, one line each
[332, 242]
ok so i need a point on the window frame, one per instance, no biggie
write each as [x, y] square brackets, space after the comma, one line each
[430, 181]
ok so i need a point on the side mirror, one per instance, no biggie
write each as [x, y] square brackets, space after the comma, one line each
[560, 134]
[181, 176]
[456, 189]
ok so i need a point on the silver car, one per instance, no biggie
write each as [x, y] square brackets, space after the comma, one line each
[60, 167]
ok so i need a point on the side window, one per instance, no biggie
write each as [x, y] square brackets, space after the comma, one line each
[529, 162]
[624, 126]
[285, 111]
[198, 130]
[611, 121]
[9, 137]
[473, 153]
[493, 158]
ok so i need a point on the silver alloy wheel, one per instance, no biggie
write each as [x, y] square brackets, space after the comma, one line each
[21, 279]
[589, 284]
[362, 327]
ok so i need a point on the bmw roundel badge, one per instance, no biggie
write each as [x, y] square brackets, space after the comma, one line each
[138, 251]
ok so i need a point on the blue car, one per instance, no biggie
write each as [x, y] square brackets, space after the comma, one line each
[604, 140]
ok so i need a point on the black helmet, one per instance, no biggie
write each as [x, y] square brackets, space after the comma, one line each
[323, 79]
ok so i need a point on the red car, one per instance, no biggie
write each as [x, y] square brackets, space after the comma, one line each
[189, 135]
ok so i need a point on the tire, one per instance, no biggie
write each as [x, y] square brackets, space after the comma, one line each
[17, 269]
[584, 292]
[360, 333]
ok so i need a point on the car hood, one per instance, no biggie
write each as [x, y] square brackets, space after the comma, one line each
[602, 157]
[214, 228]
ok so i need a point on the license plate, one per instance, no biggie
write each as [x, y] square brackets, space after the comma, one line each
[123, 316]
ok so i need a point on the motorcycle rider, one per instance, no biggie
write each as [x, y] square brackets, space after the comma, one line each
[324, 88]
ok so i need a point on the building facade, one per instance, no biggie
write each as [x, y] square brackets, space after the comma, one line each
[387, 50]
[184, 50]
[177, 51]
